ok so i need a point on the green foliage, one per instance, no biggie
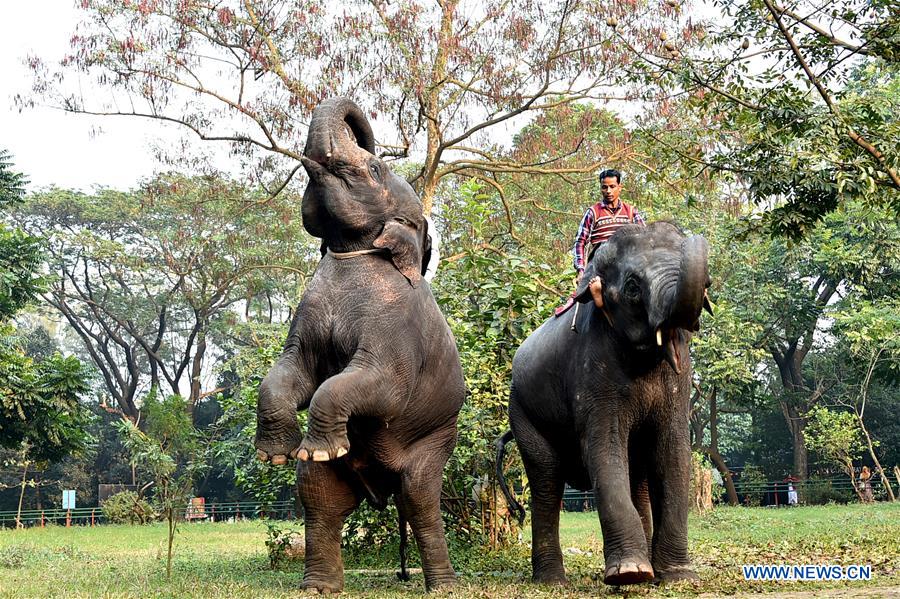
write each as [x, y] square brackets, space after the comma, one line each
[20, 258]
[835, 435]
[12, 183]
[149, 279]
[368, 529]
[821, 491]
[284, 542]
[235, 449]
[128, 507]
[39, 403]
[20, 253]
[171, 452]
[752, 485]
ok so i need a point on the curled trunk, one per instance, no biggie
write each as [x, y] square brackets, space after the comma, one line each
[338, 130]
[693, 279]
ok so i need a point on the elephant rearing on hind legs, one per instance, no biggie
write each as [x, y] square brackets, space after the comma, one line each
[369, 354]
[600, 400]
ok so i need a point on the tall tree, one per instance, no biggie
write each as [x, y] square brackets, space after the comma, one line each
[450, 76]
[41, 417]
[802, 98]
[854, 251]
[146, 278]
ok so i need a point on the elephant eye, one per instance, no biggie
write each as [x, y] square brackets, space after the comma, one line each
[375, 170]
[632, 290]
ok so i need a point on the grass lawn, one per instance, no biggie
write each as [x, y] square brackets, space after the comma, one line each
[229, 560]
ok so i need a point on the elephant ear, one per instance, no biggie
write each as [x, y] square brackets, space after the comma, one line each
[426, 246]
[401, 239]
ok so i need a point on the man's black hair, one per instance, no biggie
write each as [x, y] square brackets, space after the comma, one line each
[610, 172]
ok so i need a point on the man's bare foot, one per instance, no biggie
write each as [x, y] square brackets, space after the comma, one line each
[596, 287]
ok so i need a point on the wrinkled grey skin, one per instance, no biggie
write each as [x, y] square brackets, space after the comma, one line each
[606, 408]
[369, 354]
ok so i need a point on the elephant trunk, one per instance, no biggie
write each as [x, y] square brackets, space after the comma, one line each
[693, 279]
[686, 303]
[338, 131]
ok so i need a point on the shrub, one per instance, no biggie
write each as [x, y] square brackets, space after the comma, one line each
[820, 491]
[128, 508]
[284, 543]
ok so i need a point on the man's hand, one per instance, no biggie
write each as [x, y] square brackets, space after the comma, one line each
[596, 287]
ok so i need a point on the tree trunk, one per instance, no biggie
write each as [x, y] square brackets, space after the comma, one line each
[720, 465]
[22, 496]
[848, 468]
[197, 364]
[871, 447]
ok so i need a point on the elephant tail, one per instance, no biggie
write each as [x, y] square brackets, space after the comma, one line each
[514, 505]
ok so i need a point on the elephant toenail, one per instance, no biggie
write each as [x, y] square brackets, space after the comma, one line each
[294, 453]
[262, 456]
[303, 455]
[320, 455]
[279, 460]
[342, 451]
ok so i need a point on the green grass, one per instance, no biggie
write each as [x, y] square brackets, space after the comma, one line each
[229, 560]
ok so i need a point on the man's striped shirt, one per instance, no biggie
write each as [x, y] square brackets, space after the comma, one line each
[598, 225]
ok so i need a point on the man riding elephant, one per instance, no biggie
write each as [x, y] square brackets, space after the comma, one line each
[603, 404]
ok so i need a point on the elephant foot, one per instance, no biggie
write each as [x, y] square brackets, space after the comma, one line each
[628, 571]
[322, 587]
[322, 448]
[674, 573]
[433, 583]
[552, 578]
[277, 452]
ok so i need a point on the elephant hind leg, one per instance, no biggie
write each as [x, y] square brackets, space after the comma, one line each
[419, 501]
[327, 499]
[544, 470]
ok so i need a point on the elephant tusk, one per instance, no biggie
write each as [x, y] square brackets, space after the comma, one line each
[659, 337]
[707, 304]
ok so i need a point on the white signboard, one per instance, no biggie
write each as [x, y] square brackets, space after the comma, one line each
[69, 500]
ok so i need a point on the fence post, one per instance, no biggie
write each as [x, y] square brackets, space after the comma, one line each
[68, 518]
[237, 515]
[92, 516]
[42, 518]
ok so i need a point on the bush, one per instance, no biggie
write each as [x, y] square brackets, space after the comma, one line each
[820, 491]
[128, 508]
[284, 543]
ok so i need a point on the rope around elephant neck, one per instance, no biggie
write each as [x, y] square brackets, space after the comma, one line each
[348, 255]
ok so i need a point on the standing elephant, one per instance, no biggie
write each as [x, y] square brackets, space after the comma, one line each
[369, 354]
[600, 400]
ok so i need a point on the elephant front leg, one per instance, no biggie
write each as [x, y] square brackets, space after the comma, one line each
[286, 388]
[327, 501]
[625, 546]
[670, 496]
[360, 391]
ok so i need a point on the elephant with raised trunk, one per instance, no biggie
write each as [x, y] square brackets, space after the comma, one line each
[369, 355]
[600, 400]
